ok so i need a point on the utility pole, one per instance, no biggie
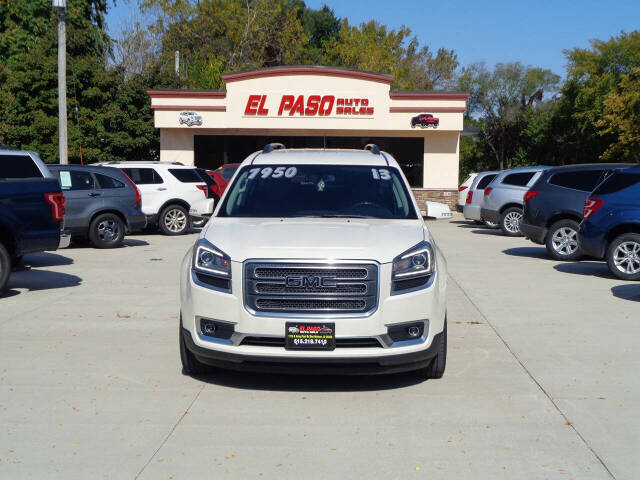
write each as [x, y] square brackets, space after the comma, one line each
[62, 80]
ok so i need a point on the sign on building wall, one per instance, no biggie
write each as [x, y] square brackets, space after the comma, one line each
[288, 105]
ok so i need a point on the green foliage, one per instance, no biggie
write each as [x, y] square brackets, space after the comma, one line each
[621, 119]
[108, 118]
[595, 79]
[508, 102]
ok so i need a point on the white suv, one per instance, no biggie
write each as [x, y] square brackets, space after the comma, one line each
[316, 259]
[172, 194]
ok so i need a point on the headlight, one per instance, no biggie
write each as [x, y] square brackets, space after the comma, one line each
[413, 268]
[211, 265]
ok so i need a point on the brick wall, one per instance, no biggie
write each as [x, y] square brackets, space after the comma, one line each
[450, 197]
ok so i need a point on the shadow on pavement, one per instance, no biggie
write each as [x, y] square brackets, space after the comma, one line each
[597, 269]
[134, 242]
[309, 383]
[42, 280]
[531, 252]
[488, 231]
[630, 291]
[45, 259]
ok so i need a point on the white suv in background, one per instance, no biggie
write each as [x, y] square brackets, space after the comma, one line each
[172, 194]
[316, 259]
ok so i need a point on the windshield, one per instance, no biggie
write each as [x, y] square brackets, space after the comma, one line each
[227, 173]
[318, 191]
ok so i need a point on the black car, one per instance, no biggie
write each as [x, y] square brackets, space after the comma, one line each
[553, 206]
[103, 203]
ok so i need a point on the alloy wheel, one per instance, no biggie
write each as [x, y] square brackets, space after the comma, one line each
[108, 230]
[565, 241]
[512, 222]
[626, 257]
[175, 220]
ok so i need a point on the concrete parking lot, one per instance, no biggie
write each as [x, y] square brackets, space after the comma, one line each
[541, 379]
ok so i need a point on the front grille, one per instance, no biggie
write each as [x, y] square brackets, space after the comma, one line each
[306, 288]
[298, 305]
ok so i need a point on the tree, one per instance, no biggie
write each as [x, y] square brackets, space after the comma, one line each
[109, 119]
[621, 118]
[594, 76]
[504, 99]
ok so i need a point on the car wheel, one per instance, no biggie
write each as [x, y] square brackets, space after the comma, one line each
[623, 256]
[174, 220]
[562, 240]
[190, 364]
[106, 231]
[510, 222]
[437, 366]
[5, 267]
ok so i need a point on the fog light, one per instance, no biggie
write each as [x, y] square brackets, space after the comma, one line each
[413, 332]
[216, 328]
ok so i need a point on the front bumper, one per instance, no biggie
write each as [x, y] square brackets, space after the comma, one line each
[534, 232]
[65, 239]
[426, 304]
[492, 216]
[403, 362]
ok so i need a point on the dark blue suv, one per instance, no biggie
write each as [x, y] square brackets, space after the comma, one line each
[611, 225]
[553, 207]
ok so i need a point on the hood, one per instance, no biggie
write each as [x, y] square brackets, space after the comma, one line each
[314, 238]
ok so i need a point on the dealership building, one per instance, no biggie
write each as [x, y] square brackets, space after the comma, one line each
[316, 107]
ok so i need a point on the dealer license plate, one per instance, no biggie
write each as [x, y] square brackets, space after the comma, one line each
[310, 336]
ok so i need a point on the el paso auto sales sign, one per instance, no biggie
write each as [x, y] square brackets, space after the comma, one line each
[307, 106]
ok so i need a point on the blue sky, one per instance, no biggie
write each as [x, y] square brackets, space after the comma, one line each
[533, 32]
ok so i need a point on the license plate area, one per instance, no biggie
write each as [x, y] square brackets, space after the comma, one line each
[310, 336]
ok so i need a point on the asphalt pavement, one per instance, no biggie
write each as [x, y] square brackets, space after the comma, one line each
[541, 378]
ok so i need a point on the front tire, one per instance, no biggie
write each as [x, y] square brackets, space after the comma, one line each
[623, 256]
[562, 241]
[5, 267]
[190, 364]
[439, 362]
[106, 231]
[174, 220]
[510, 222]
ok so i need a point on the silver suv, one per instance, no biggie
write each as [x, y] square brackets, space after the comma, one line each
[503, 198]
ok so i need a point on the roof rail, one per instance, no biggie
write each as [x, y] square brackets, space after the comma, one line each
[373, 148]
[270, 147]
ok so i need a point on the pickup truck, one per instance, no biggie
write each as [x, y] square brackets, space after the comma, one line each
[31, 210]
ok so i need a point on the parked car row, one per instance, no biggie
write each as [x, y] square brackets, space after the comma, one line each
[43, 207]
[576, 210]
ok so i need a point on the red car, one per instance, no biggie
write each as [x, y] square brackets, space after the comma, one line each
[222, 176]
[425, 120]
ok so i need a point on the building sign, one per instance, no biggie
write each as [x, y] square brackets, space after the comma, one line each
[307, 106]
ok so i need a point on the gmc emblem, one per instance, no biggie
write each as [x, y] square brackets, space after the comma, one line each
[309, 281]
